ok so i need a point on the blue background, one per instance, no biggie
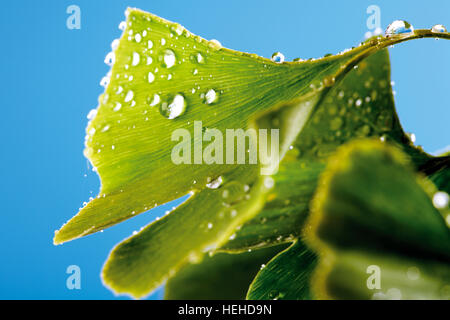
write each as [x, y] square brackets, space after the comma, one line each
[50, 80]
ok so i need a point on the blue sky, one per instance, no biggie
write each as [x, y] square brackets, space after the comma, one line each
[50, 80]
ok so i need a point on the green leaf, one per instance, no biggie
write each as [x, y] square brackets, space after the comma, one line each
[220, 277]
[285, 277]
[129, 141]
[372, 209]
[361, 105]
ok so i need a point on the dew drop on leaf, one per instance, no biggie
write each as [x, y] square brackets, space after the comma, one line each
[199, 58]
[122, 25]
[118, 106]
[129, 96]
[151, 77]
[211, 96]
[399, 27]
[169, 58]
[136, 59]
[155, 100]
[438, 28]
[214, 184]
[174, 109]
[110, 59]
[277, 57]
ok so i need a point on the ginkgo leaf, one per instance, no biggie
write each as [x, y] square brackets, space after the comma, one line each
[220, 277]
[361, 105]
[164, 78]
[373, 215]
[286, 276]
[168, 93]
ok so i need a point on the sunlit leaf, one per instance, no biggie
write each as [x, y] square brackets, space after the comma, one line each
[165, 79]
[159, 66]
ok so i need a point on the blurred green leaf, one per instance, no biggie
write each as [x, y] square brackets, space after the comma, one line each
[371, 208]
[220, 277]
[285, 277]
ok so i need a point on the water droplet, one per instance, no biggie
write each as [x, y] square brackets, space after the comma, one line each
[210, 225]
[199, 58]
[110, 59]
[138, 37]
[175, 108]
[136, 59]
[122, 26]
[91, 115]
[169, 58]
[163, 41]
[215, 44]
[156, 99]
[214, 184]
[411, 137]
[118, 106]
[211, 96]
[438, 28]
[129, 96]
[398, 27]
[105, 81]
[151, 77]
[149, 44]
[115, 44]
[277, 57]
[440, 200]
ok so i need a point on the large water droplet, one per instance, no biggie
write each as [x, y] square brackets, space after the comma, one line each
[438, 28]
[169, 58]
[215, 44]
[277, 57]
[175, 108]
[399, 27]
